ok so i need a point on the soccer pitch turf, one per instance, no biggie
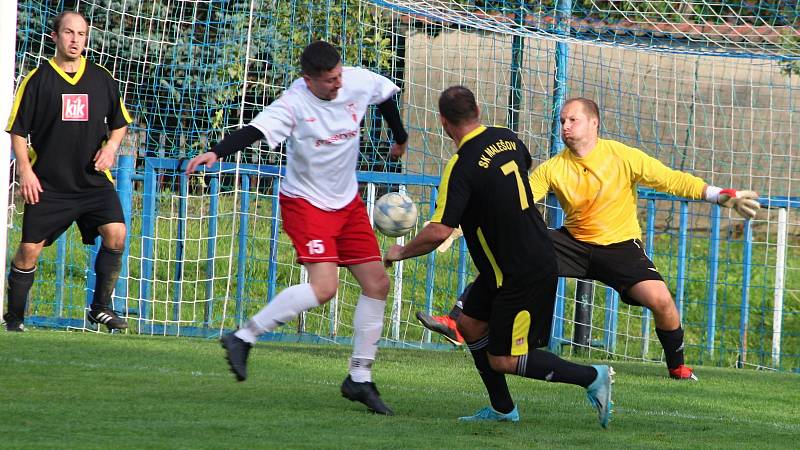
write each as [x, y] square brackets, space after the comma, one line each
[88, 390]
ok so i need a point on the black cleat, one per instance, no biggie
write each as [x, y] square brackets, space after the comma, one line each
[236, 352]
[13, 324]
[367, 394]
[107, 317]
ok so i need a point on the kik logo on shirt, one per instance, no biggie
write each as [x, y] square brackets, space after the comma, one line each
[75, 107]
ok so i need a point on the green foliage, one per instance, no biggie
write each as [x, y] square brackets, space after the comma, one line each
[272, 38]
[734, 13]
[28, 19]
[189, 68]
[791, 44]
[356, 29]
[791, 67]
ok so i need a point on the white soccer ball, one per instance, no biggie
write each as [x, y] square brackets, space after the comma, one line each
[395, 214]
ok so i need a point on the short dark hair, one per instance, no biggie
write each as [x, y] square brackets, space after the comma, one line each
[589, 107]
[457, 104]
[319, 57]
[60, 18]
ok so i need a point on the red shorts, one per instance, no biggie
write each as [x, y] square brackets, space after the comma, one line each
[343, 236]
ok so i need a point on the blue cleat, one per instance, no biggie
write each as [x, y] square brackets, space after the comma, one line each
[489, 413]
[599, 393]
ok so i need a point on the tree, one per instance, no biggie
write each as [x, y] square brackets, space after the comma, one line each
[183, 64]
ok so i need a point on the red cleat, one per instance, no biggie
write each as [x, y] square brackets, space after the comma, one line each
[443, 325]
[682, 372]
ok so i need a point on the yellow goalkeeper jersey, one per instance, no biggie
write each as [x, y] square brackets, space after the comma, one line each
[598, 192]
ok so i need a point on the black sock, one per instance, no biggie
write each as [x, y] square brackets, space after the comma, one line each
[495, 382]
[456, 311]
[459, 305]
[672, 341]
[542, 365]
[19, 285]
[107, 266]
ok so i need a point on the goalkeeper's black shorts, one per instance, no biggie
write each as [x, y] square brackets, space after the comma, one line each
[620, 265]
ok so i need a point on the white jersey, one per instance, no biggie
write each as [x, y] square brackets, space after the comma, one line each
[323, 136]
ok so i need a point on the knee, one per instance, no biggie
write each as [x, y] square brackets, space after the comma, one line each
[325, 290]
[383, 285]
[503, 364]
[115, 245]
[378, 287]
[662, 303]
[27, 255]
[114, 238]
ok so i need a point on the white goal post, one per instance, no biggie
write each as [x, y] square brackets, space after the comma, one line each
[8, 35]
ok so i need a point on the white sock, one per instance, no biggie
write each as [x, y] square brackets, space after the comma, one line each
[367, 329]
[284, 307]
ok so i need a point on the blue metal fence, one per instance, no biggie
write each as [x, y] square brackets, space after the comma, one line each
[142, 306]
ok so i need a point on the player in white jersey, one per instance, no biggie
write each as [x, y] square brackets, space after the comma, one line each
[319, 118]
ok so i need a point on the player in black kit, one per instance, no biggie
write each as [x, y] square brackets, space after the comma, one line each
[485, 190]
[66, 125]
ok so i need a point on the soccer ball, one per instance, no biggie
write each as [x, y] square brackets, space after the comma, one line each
[395, 214]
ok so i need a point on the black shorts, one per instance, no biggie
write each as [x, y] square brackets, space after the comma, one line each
[620, 265]
[519, 313]
[55, 212]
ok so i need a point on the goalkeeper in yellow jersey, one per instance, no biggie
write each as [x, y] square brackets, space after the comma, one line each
[595, 181]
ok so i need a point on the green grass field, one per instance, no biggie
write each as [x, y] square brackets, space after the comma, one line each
[88, 390]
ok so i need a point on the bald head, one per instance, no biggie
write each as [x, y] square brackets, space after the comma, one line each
[58, 20]
[580, 124]
[589, 106]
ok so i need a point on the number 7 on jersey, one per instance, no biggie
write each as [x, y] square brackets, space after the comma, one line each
[510, 167]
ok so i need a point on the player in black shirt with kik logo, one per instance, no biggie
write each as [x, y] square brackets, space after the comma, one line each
[70, 111]
[485, 191]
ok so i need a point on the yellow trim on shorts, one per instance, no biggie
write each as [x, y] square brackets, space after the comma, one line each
[519, 333]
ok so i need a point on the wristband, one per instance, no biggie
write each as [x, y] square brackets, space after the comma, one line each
[712, 194]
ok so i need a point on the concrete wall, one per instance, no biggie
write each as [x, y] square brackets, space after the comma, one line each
[732, 121]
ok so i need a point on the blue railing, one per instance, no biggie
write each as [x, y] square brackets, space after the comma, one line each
[126, 175]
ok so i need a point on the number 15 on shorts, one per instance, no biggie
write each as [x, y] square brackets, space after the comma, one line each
[315, 247]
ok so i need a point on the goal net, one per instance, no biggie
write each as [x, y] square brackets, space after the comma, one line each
[706, 87]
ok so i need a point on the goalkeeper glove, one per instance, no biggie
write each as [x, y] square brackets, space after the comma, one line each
[445, 245]
[745, 203]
